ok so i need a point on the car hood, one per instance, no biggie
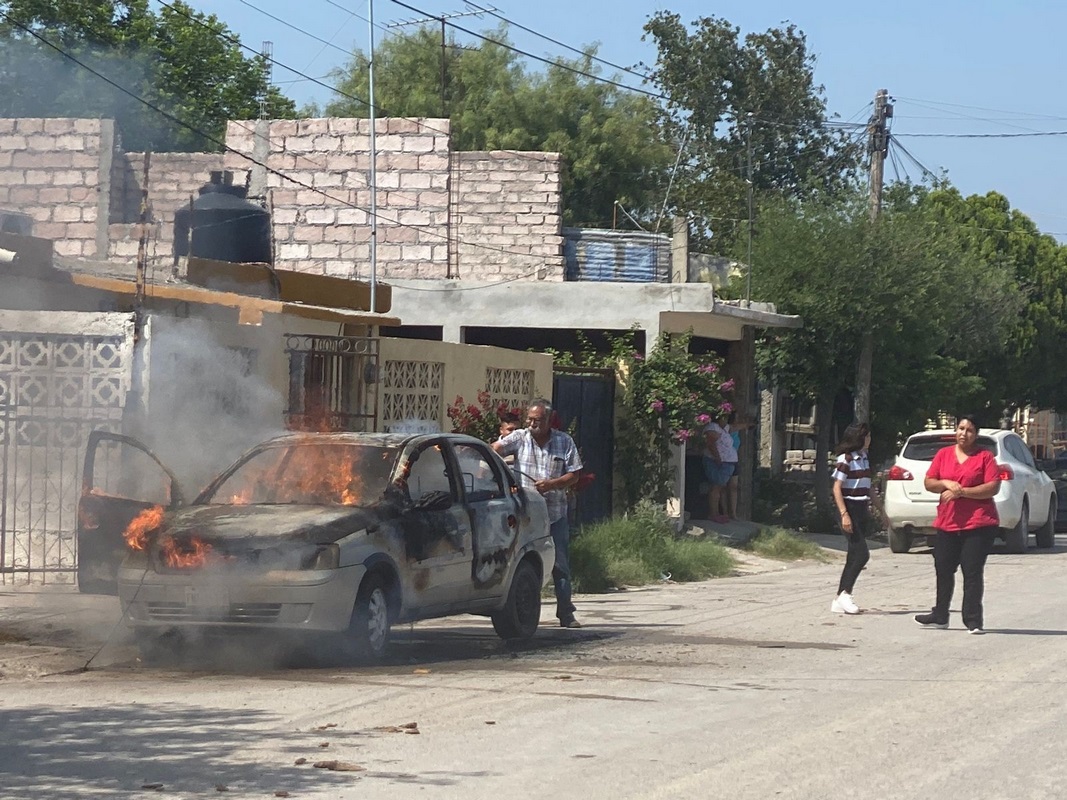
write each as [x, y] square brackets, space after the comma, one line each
[320, 524]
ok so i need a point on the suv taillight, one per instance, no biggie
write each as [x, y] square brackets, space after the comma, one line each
[1004, 472]
[897, 473]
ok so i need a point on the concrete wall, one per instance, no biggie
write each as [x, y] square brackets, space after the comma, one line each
[482, 216]
[59, 172]
[172, 179]
[321, 205]
[509, 215]
[462, 373]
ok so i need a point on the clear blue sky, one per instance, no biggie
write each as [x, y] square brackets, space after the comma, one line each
[952, 66]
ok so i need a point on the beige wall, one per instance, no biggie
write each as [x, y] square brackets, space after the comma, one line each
[461, 370]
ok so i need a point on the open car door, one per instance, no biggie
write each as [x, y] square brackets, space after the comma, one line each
[120, 479]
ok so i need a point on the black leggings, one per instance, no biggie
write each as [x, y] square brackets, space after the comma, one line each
[858, 552]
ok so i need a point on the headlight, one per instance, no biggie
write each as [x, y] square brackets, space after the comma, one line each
[324, 556]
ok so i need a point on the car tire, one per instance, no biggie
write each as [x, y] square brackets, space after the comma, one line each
[521, 613]
[156, 648]
[370, 626]
[1045, 536]
[899, 540]
[1017, 539]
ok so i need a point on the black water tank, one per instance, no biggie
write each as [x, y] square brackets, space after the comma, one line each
[223, 225]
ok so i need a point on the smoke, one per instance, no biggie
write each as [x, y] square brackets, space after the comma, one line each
[206, 402]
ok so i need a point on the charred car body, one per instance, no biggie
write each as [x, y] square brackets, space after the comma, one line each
[328, 533]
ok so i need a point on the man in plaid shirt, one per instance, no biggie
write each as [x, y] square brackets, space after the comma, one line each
[547, 460]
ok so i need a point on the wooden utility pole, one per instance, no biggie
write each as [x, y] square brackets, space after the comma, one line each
[877, 148]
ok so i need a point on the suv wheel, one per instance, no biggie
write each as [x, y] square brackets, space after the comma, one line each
[519, 617]
[1045, 536]
[899, 540]
[1018, 538]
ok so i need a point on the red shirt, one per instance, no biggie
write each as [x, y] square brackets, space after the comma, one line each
[964, 513]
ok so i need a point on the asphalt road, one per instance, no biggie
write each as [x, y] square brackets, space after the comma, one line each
[745, 687]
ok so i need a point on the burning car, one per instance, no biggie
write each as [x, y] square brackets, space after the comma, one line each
[344, 534]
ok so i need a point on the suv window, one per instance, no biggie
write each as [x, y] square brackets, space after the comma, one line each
[479, 476]
[923, 448]
[1019, 451]
[428, 472]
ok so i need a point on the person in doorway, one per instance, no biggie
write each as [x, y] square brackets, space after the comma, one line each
[733, 485]
[720, 463]
[548, 461]
[966, 477]
[852, 496]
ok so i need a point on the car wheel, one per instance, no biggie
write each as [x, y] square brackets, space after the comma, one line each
[368, 631]
[1045, 536]
[1018, 538]
[899, 540]
[157, 647]
[519, 617]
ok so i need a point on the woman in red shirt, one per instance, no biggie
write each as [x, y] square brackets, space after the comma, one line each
[966, 477]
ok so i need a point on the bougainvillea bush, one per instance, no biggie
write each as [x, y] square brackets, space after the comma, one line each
[481, 419]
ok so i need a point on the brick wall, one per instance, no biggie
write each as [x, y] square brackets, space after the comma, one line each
[477, 216]
[508, 215]
[58, 172]
[320, 209]
[172, 179]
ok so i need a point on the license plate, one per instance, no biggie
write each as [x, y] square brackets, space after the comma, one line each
[206, 598]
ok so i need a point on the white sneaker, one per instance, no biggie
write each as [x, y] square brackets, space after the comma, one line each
[843, 604]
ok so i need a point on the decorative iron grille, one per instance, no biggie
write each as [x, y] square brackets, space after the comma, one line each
[330, 380]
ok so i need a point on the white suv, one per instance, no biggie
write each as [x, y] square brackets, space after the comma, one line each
[1025, 502]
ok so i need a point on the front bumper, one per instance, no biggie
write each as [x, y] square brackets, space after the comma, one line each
[293, 601]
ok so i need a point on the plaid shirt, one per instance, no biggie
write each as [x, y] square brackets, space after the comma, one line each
[533, 463]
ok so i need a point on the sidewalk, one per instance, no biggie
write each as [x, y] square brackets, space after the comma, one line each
[735, 532]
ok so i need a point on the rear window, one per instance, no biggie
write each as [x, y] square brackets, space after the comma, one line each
[923, 448]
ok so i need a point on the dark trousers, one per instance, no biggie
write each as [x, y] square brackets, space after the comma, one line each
[561, 570]
[858, 552]
[966, 551]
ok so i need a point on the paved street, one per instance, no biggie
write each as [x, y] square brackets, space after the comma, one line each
[745, 687]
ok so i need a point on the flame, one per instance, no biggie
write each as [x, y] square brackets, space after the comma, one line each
[191, 552]
[136, 533]
[324, 475]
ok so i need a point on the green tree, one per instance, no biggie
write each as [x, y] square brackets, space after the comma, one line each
[1028, 367]
[727, 97]
[185, 63]
[932, 308]
[607, 136]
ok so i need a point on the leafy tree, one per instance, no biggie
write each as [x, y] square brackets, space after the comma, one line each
[1028, 367]
[932, 308]
[186, 63]
[726, 97]
[607, 136]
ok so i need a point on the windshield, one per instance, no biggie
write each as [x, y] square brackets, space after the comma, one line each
[311, 474]
[924, 448]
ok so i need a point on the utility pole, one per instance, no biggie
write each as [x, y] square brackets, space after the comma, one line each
[877, 148]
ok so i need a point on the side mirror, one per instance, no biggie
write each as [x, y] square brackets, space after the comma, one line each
[434, 501]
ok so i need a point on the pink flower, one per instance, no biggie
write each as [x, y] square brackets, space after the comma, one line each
[656, 405]
[637, 356]
[726, 407]
[684, 435]
[728, 386]
[704, 419]
[708, 369]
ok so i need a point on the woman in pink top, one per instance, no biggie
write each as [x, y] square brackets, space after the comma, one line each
[966, 477]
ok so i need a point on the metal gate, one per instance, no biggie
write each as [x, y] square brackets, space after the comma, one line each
[54, 389]
[585, 402]
[331, 382]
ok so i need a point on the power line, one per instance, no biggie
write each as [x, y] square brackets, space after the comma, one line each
[558, 64]
[643, 76]
[1024, 135]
